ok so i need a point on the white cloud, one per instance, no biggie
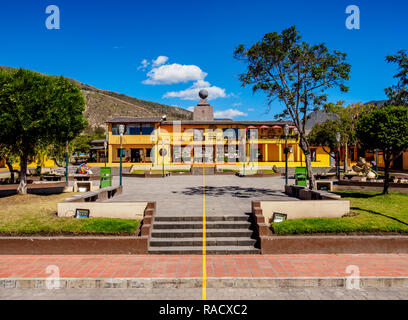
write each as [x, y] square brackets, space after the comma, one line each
[191, 93]
[251, 109]
[190, 109]
[229, 113]
[159, 61]
[144, 64]
[174, 73]
[237, 104]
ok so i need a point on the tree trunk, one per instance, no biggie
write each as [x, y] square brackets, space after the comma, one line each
[386, 174]
[22, 187]
[11, 169]
[306, 150]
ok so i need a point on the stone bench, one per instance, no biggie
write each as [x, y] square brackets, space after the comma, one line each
[97, 196]
[82, 184]
[325, 184]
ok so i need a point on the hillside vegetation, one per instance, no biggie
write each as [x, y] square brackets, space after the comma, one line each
[102, 105]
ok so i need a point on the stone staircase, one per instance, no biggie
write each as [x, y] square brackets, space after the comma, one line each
[184, 235]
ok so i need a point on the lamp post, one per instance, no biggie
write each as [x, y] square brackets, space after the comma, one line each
[286, 132]
[105, 144]
[163, 153]
[338, 138]
[121, 132]
[66, 163]
[376, 159]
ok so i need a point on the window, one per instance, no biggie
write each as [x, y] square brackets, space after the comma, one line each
[313, 155]
[147, 129]
[133, 129]
[115, 128]
[148, 152]
[118, 152]
[198, 134]
[230, 133]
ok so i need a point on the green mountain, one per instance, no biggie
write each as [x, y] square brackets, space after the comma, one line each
[102, 105]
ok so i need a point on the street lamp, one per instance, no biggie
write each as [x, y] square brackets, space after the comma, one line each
[66, 163]
[105, 144]
[286, 132]
[163, 153]
[376, 159]
[338, 138]
[121, 132]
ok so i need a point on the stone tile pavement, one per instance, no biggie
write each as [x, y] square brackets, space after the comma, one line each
[183, 195]
[190, 266]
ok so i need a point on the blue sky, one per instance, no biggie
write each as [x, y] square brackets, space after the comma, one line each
[103, 43]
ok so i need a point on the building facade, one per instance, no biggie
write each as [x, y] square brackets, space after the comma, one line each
[207, 140]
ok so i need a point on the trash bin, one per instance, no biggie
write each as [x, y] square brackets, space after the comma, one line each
[301, 176]
[106, 177]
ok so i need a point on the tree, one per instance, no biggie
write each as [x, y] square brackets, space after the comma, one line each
[398, 94]
[297, 74]
[347, 119]
[324, 135]
[37, 111]
[386, 129]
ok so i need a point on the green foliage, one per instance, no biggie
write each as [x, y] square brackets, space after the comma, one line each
[82, 143]
[296, 73]
[324, 135]
[372, 213]
[398, 94]
[38, 111]
[385, 128]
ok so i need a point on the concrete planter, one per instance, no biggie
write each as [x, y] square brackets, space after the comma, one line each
[37, 245]
[322, 244]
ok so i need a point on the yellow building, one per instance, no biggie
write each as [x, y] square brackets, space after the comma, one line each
[207, 140]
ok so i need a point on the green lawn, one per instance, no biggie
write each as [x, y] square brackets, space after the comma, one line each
[370, 213]
[35, 214]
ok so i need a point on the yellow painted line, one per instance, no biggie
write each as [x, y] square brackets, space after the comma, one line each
[204, 243]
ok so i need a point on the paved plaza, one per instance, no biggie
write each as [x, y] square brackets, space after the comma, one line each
[212, 294]
[183, 195]
[252, 270]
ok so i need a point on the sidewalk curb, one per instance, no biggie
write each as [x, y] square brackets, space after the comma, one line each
[227, 282]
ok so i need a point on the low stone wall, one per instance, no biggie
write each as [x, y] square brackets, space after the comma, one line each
[99, 195]
[305, 209]
[304, 193]
[366, 186]
[34, 188]
[122, 210]
[146, 174]
[93, 201]
[322, 244]
[333, 244]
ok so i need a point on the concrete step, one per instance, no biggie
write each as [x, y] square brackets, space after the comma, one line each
[199, 225]
[195, 233]
[209, 250]
[194, 242]
[200, 218]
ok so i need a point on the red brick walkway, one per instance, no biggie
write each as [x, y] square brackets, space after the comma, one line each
[182, 266]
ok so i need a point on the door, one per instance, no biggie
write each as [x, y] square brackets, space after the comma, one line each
[135, 155]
